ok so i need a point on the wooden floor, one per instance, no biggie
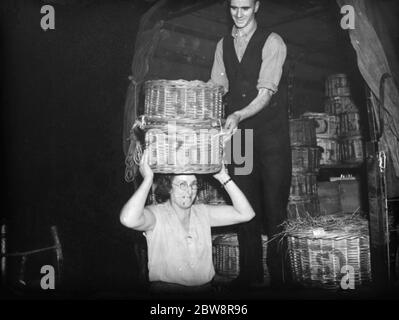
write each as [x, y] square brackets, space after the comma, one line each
[219, 292]
[298, 293]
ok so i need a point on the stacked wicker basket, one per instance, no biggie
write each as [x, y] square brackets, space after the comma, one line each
[339, 104]
[327, 136]
[226, 256]
[332, 251]
[183, 126]
[303, 198]
[182, 123]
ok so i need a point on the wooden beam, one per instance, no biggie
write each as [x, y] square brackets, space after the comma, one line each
[311, 12]
[154, 11]
[296, 5]
[306, 59]
[216, 37]
[198, 5]
[295, 17]
[192, 59]
[191, 32]
[211, 19]
[183, 58]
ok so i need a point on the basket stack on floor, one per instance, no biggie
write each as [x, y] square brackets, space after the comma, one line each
[332, 251]
[303, 198]
[226, 256]
[339, 104]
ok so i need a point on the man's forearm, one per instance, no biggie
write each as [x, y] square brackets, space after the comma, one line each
[261, 101]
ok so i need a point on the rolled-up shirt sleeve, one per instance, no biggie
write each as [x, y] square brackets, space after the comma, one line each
[218, 74]
[274, 53]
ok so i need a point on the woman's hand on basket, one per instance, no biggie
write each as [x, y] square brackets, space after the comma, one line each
[145, 169]
[222, 176]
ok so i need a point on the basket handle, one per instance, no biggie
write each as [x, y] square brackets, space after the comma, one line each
[135, 151]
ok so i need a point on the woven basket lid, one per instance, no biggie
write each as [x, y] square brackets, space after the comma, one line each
[315, 115]
[337, 75]
[332, 230]
[150, 122]
[183, 84]
[349, 138]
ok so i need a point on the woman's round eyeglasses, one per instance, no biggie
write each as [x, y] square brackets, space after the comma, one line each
[183, 186]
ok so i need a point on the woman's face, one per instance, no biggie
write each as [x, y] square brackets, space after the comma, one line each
[184, 190]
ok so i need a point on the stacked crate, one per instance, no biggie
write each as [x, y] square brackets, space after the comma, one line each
[327, 136]
[303, 198]
[339, 104]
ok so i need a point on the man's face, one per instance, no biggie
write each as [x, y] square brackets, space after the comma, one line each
[243, 12]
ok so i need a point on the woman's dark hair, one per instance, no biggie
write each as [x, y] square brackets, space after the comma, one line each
[163, 184]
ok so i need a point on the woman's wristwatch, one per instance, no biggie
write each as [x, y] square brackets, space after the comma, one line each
[226, 182]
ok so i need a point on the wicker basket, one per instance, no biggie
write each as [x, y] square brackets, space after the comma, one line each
[174, 99]
[319, 256]
[303, 132]
[303, 207]
[303, 186]
[352, 149]
[327, 126]
[350, 124]
[305, 159]
[184, 146]
[337, 85]
[211, 193]
[226, 255]
[331, 151]
[338, 105]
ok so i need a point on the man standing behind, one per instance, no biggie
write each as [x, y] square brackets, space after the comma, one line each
[249, 64]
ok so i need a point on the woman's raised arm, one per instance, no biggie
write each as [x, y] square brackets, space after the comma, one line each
[240, 211]
[134, 215]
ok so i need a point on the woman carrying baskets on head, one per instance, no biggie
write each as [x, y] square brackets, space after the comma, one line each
[178, 232]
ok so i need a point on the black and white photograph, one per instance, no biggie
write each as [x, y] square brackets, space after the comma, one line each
[212, 153]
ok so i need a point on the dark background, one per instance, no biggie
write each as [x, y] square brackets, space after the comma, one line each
[62, 100]
[63, 95]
